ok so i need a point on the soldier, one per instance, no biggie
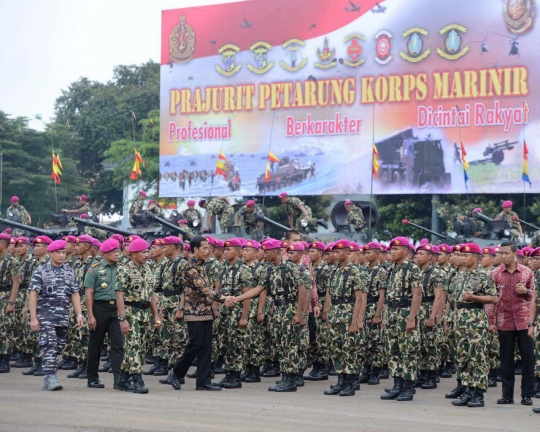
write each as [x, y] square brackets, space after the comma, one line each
[100, 287]
[220, 207]
[97, 233]
[249, 214]
[474, 290]
[192, 215]
[137, 206]
[534, 323]
[297, 212]
[218, 251]
[478, 222]
[9, 291]
[155, 209]
[134, 299]
[183, 224]
[443, 259]
[288, 293]
[355, 217]
[15, 209]
[377, 276]
[71, 257]
[434, 287]
[53, 285]
[84, 207]
[235, 280]
[94, 249]
[345, 303]
[535, 241]
[403, 295]
[511, 218]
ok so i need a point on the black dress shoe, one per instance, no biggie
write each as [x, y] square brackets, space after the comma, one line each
[209, 387]
[95, 384]
[505, 401]
[536, 410]
[526, 401]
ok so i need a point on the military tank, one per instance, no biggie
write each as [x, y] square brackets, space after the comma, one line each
[287, 173]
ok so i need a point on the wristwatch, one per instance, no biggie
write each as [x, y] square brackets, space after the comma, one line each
[180, 308]
[12, 303]
[529, 324]
[121, 318]
[80, 316]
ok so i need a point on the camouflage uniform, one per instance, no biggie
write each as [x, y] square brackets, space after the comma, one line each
[535, 242]
[471, 324]
[55, 285]
[293, 209]
[303, 346]
[403, 347]
[356, 218]
[191, 215]
[137, 203]
[249, 221]
[343, 345]
[213, 270]
[234, 279]
[319, 348]
[513, 223]
[256, 347]
[18, 211]
[432, 278]
[136, 283]
[377, 281]
[23, 338]
[9, 267]
[223, 211]
[97, 233]
[153, 338]
[537, 340]
[84, 209]
[454, 280]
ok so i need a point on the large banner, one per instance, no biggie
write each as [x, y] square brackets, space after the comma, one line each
[338, 97]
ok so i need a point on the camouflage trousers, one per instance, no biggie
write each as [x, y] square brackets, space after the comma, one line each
[537, 354]
[19, 335]
[318, 350]
[135, 344]
[225, 219]
[373, 337]
[344, 347]
[403, 347]
[472, 338]
[288, 339]
[445, 347]
[77, 340]
[218, 330]
[431, 340]
[258, 348]
[52, 340]
[7, 325]
[235, 339]
[172, 337]
[493, 351]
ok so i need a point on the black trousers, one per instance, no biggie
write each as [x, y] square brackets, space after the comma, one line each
[507, 340]
[107, 323]
[199, 346]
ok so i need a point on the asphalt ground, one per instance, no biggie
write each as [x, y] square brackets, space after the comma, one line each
[25, 407]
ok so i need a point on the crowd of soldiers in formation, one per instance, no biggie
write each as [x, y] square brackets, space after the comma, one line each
[187, 178]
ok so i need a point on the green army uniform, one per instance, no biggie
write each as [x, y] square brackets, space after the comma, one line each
[97, 233]
[445, 348]
[22, 338]
[157, 211]
[191, 215]
[234, 279]
[136, 282]
[471, 324]
[511, 222]
[18, 211]
[377, 277]
[432, 278]
[403, 347]
[320, 351]
[72, 261]
[249, 219]
[213, 270]
[137, 203]
[293, 209]
[9, 267]
[356, 218]
[84, 209]
[224, 212]
[453, 282]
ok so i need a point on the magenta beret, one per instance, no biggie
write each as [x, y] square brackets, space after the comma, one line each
[471, 248]
[4, 236]
[251, 244]
[400, 241]
[172, 240]
[507, 204]
[271, 244]
[372, 245]
[143, 193]
[85, 239]
[138, 245]
[250, 203]
[70, 239]
[329, 247]
[109, 245]
[132, 237]
[318, 245]
[342, 244]
[348, 202]
[14, 199]
[210, 240]
[201, 202]
[191, 203]
[534, 252]
[220, 244]
[182, 221]
[83, 198]
[56, 246]
[22, 240]
[156, 242]
[96, 242]
[477, 210]
[233, 242]
[283, 195]
[118, 237]
[355, 247]
[42, 239]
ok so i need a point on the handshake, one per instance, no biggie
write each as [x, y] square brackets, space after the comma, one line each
[230, 301]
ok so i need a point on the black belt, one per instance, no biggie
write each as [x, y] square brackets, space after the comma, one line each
[470, 305]
[399, 303]
[111, 302]
[158, 290]
[169, 293]
[372, 299]
[5, 288]
[280, 302]
[139, 304]
[321, 294]
[428, 299]
[342, 300]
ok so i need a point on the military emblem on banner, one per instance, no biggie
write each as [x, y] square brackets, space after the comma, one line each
[383, 47]
[354, 50]
[326, 56]
[452, 42]
[227, 55]
[182, 42]
[293, 45]
[519, 15]
[259, 50]
[415, 45]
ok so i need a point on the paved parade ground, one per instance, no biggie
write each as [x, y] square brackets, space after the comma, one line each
[25, 407]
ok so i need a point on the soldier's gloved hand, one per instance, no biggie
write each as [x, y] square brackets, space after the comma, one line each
[260, 317]
[34, 325]
[243, 323]
[125, 328]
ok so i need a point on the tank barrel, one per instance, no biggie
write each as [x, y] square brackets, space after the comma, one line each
[24, 227]
[264, 219]
[109, 228]
[170, 225]
[482, 217]
[408, 222]
[530, 225]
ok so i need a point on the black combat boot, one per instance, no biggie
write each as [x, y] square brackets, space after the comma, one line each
[537, 387]
[219, 366]
[4, 363]
[103, 352]
[123, 383]
[154, 367]
[336, 388]
[374, 378]
[389, 389]
[431, 380]
[273, 371]
[70, 363]
[477, 400]
[39, 370]
[465, 397]
[492, 378]
[105, 367]
[192, 374]
[16, 355]
[175, 382]
[385, 372]
[150, 359]
[457, 392]
[224, 380]
[233, 382]
[348, 387]
[420, 379]
[394, 391]
[322, 223]
[78, 371]
[407, 391]
[321, 375]
[273, 388]
[287, 384]
[300, 378]
[138, 385]
[84, 373]
[33, 369]
[163, 368]
[255, 375]
[25, 361]
[366, 374]
[316, 367]
[265, 367]
[331, 370]
[447, 370]
[246, 373]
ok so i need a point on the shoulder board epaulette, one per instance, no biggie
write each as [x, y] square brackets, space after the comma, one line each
[96, 264]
